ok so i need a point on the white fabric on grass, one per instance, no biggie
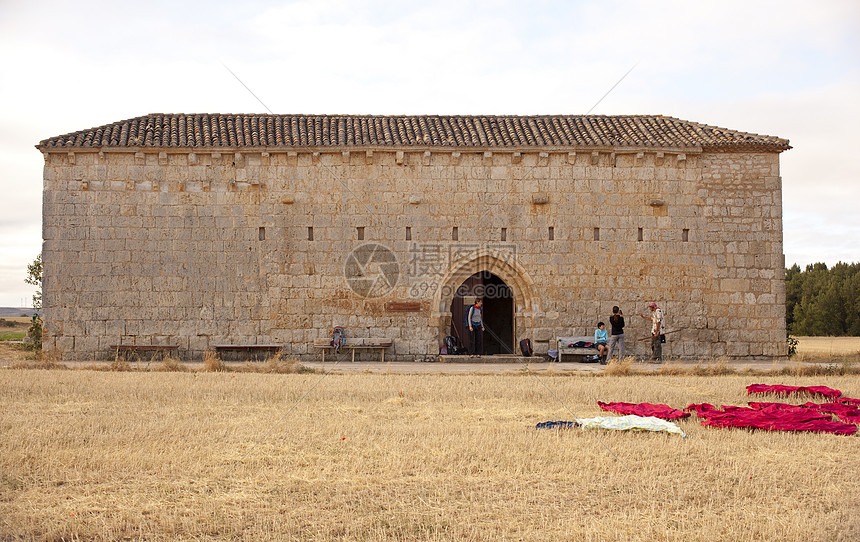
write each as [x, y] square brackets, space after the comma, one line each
[630, 423]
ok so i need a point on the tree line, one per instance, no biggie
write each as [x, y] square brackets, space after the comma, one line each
[822, 301]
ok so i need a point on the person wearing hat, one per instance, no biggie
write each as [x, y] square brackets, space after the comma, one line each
[656, 330]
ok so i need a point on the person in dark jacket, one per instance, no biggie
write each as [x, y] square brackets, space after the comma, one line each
[616, 334]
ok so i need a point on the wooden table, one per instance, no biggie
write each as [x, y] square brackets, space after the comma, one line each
[249, 348]
[565, 348]
[354, 344]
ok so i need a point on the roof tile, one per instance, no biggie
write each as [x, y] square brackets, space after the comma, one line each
[487, 131]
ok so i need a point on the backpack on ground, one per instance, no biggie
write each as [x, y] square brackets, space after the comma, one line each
[451, 346]
[338, 338]
[526, 347]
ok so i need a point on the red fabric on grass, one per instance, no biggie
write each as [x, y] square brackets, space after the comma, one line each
[701, 408]
[848, 401]
[664, 412]
[781, 407]
[846, 413]
[779, 389]
[772, 417]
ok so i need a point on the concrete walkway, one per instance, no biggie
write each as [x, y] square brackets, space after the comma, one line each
[9, 357]
[513, 368]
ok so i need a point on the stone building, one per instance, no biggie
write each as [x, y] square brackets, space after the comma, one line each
[197, 230]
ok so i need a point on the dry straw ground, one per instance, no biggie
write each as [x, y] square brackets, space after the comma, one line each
[816, 347]
[181, 455]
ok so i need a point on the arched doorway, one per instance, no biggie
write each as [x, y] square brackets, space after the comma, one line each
[499, 313]
[526, 302]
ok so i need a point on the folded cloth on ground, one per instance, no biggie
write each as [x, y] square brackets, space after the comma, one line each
[779, 389]
[556, 425]
[645, 409]
[630, 423]
[771, 417]
[848, 401]
[778, 407]
[701, 408]
[846, 413]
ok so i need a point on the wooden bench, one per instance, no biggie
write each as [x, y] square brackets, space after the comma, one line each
[563, 345]
[253, 350]
[142, 348]
[355, 344]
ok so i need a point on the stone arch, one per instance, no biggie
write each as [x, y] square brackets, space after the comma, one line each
[501, 264]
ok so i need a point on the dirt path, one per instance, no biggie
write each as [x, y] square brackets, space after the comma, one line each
[10, 355]
[501, 368]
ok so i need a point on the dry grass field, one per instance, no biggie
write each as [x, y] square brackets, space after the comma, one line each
[816, 347]
[159, 455]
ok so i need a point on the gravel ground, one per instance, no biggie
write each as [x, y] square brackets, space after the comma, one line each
[9, 356]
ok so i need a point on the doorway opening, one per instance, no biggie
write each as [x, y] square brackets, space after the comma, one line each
[498, 312]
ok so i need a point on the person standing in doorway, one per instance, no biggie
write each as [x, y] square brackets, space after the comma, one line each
[656, 331]
[616, 335]
[476, 328]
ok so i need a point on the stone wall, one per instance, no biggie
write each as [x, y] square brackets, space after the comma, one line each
[202, 248]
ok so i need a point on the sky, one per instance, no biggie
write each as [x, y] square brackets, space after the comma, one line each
[784, 68]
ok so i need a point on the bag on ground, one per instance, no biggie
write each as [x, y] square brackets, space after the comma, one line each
[451, 345]
[526, 347]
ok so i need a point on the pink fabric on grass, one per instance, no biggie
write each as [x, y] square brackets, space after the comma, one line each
[664, 412]
[771, 417]
[779, 389]
[846, 413]
[701, 408]
[781, 407]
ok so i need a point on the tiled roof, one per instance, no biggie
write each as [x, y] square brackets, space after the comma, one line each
[216, 130]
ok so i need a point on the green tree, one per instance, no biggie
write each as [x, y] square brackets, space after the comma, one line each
[793, 286]
[822, 301]
[34, 277]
